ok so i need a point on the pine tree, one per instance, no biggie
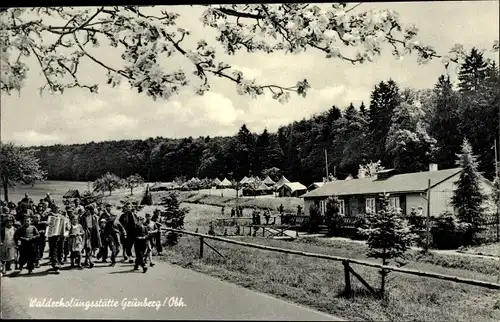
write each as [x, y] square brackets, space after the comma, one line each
[173, 216]
[384, 99]
[472, 72]
[389, 235]
[147, 199]
[467, 197]
[444, 122]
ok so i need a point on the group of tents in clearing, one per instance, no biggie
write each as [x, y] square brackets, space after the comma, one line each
[249, 186]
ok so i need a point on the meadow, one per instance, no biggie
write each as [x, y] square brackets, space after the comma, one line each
[319, 283]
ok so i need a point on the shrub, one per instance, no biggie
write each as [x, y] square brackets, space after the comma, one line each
[314, 217]
[173, 216]
[448, 232]
[334, 220]
[147, 199]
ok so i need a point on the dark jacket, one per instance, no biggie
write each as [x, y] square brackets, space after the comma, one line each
[129, 221]
[92, 233]
[113, 230]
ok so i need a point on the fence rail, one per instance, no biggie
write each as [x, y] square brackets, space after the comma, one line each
[345, 261]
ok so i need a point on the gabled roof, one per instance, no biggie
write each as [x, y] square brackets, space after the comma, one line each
[217, 181]
[72, 193]
[268, 180]
[225, 182]
[294, 186]
[316, 184]
[281, 181]
[244, 180]
[262, 187]
[399, 183]
[250, 180]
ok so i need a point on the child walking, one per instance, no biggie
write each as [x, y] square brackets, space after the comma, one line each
[8, 248]
[141, 235]
[75, 242]
[27, 238]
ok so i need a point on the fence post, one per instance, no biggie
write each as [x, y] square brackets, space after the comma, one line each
[201, 246]
[347, 276]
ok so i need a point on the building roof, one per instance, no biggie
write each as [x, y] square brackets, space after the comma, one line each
[225, 182]
[268, 180]
[316, 184]
[398, 183]
[294, 186]
[281, 181]
[72, 193]
[217, 181]
[244, 180]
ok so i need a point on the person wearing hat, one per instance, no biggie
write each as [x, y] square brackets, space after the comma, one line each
[8, 247]
[140, 244]
[129, 221]
[114, 232]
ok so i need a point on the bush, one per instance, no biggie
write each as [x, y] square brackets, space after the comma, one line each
[334, 220]
[448, 232]
[314, 217]
[173, 216]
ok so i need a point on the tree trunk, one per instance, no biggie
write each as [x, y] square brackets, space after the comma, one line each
[6, 192]
[110, 192]
[131, 191]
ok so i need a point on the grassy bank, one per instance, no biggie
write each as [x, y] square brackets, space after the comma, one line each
[290, 204]
[319, 283]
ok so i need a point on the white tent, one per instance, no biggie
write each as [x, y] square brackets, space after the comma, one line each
[281, 181]
[225, 183]
[268, 181]
[244, 180]
[217, 181]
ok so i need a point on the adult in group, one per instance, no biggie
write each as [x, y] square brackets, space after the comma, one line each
[157, 237]
[57, 227]
[129, 221]
[92, 240]
[114, 233]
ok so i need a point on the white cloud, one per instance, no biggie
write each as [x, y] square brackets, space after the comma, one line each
[35, 138]
[122, 113]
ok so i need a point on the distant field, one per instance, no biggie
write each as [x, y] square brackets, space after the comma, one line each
[227, 198]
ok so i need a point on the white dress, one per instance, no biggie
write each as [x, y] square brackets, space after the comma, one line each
[8, 250]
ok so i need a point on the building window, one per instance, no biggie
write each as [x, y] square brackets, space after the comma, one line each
[322, 207]
[370, 205]
[394, 203]
[342, 207]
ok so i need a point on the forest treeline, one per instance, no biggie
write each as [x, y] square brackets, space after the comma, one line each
[404, 128]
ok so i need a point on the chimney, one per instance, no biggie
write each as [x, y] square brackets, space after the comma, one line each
[433, 167]
[361, 173]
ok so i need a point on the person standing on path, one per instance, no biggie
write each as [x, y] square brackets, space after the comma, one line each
[140, 235]
[75, 242]
[90, 224]
[26, 237]
[129, 221]
[151, 226]
[113, 232]
[103, 251]
[40, 242]
[8, 247]
[157, 237]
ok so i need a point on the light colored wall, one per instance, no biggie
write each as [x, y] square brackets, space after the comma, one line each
[440, 197]
[307, 204]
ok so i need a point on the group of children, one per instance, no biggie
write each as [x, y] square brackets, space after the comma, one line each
[89, 231]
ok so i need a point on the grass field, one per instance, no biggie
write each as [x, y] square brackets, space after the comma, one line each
[319, 283]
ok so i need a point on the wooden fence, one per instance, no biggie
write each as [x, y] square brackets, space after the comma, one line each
[348, 270]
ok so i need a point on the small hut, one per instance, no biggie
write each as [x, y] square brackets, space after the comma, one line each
[264, 189]
[72, 193]
[291, 189]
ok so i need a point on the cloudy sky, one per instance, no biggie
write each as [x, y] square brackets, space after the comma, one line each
[120, 113]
